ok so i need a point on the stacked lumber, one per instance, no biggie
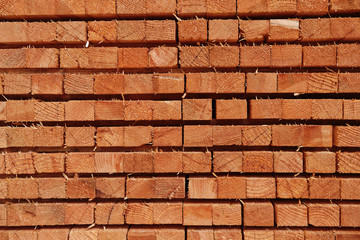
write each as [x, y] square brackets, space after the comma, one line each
[179, 120]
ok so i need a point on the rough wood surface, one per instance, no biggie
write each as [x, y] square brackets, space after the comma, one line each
[179, 119]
